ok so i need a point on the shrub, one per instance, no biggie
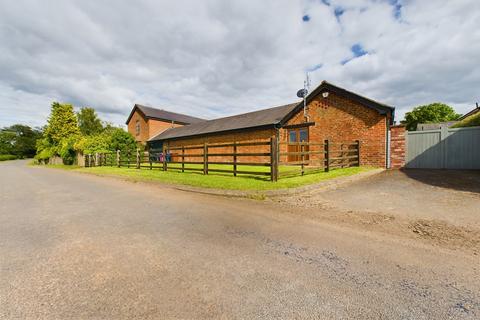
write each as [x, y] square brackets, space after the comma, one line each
[66, 150]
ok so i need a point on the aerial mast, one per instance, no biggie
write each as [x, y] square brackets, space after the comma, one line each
[302, 93]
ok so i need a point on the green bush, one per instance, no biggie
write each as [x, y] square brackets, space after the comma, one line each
[4, 157]
[111, 140]
[66, 150]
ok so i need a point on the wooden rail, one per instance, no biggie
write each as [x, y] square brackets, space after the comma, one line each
[308, 156]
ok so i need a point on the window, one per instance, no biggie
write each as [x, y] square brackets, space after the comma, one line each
[292, 136]
[137, 127]
[303, 133]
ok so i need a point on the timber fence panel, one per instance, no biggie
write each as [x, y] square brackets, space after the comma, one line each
[444, 148]
[238, 158]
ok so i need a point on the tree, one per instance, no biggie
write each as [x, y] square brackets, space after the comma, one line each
[121, 140]
[62, 123]
[88, 122]
[19, 140]
[112, 139]
[61, 130]
[431, 113]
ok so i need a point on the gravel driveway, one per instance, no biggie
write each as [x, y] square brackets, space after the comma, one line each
[76, 246]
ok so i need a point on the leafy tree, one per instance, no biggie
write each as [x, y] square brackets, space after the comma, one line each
[6, 138]
[88, 122]
[431, 113]
[111, 139]
[59, 134]
[94, 143]
[62, 123]
[45, 151]
[121, 140]
[19, 140]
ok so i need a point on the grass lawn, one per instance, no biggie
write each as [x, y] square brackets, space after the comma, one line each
[62, 166]
[220, 180]
[5, 157]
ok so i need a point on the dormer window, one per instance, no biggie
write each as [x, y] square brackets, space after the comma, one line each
[137, 127]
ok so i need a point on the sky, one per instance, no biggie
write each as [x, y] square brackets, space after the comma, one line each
[217, 58]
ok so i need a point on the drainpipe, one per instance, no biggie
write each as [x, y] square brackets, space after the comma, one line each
[388, 143]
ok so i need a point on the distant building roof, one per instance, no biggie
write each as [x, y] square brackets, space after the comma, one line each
[160, 114]
[471, 113]
[267, 117]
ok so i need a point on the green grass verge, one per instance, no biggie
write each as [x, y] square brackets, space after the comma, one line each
[5, 157]
[59, 166]
[221, 180]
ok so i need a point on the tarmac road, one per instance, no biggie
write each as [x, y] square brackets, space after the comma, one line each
[76, 246]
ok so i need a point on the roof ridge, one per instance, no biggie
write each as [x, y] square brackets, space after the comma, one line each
[161, 109]
[351, 92]
[257, 118]
[250, 112]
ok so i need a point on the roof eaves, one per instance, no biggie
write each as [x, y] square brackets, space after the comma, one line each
[135, 107]
[159, 138]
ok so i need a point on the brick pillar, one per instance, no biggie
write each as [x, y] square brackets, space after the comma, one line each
[398, 146]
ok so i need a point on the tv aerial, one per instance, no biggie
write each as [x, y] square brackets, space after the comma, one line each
[302, 93]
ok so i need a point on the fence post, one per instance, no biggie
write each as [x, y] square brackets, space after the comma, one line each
[138, 159]
[150, 159]
[118, 158]
[183, 158]
[327, 156]
[273, 159]
[235, 158]
[85, 160]
[164, 153]
[358, 153]
[205, 158]
[96, 159]
[302, 157]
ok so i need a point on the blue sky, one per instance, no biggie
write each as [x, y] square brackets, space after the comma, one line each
[212, 58]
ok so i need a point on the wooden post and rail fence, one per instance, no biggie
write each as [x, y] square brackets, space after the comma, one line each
[307, 156]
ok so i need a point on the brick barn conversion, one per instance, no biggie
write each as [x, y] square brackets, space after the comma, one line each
[145, 122]
[332, 113]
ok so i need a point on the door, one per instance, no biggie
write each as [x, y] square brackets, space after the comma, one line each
[294, 137]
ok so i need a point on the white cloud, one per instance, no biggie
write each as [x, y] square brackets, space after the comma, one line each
[214, 58]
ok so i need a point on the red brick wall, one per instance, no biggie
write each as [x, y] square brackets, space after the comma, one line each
[250, 136]
[143, 134]
[148, 127]
[397, 146]
[342, 120]
[157, 126]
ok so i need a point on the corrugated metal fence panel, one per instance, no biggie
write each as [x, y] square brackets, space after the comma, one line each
[463, 148]
[424, 149]
[444, 149]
